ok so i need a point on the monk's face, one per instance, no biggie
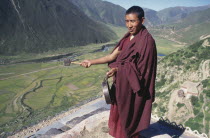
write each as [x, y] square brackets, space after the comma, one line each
[133, 23]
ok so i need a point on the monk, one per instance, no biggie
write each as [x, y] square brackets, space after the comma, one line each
[133, 64]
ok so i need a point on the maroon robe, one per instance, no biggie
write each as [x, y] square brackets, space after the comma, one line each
[135, 85]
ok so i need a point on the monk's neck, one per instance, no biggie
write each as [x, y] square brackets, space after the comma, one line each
[131, 37]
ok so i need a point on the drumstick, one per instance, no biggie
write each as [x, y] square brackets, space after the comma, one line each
[76, 63]
[67, 62]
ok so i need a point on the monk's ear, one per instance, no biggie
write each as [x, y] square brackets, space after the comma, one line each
[142, 20]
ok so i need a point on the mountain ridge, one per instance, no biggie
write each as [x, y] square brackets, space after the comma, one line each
[102, 11]
[39, 26]
[114, 14]
[174, 14]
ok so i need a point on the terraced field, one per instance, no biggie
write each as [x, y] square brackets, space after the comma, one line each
[32, 94]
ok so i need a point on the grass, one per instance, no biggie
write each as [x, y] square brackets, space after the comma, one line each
[47, 88]
[165, 46]
[120, 31]
[15, 69]
[192, 35]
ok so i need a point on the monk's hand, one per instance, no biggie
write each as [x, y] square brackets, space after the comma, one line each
[111, 72]
[86, 63]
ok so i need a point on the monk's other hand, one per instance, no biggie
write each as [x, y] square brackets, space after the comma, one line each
[111, 72]
[86, 63]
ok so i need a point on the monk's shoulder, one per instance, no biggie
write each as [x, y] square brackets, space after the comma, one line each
[150, 41]
[149, 37]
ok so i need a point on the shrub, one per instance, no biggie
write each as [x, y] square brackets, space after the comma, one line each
[205, 83]
[194, 100]
[179, 105]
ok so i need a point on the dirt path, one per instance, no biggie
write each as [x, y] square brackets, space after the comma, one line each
[170, 104]
[206, 43]
[172, 32]
[206, 69]
[204, 37]
[15, 104]
[189, 107]
[32, 72]
[2, 74]
[173, 40]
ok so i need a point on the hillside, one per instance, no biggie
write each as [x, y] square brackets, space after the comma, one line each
[197, 17]
[191, 29]
[41, 25]
[102, 11]
[151, 18]
[110, 13]
[183, 85]
[194, 27]
[176, 14]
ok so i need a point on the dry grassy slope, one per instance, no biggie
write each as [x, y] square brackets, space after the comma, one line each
[188, 64]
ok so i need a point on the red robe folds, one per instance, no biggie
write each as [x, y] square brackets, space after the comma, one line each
[135, 85]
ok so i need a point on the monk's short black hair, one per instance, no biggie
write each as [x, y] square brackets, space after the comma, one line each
[137, 10]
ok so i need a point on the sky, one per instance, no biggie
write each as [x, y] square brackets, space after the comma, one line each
[159, 4]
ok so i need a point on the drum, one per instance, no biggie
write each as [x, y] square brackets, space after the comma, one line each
[106, 90]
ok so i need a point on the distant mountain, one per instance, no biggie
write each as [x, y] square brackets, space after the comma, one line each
[197, 17]
[42, 25]
[192, 28]
[102, 11]
[114, 14]
[110, 13]
[151, 17]
[195, 26]
[175, 14]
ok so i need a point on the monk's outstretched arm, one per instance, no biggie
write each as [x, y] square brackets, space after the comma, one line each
[102, 60]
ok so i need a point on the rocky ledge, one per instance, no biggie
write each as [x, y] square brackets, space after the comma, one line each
[90, 121]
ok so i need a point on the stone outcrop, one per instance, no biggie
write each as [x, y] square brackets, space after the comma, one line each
[90, 121]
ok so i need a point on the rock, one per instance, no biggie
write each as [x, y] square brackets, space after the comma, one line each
[65, 128]
[54, 131]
